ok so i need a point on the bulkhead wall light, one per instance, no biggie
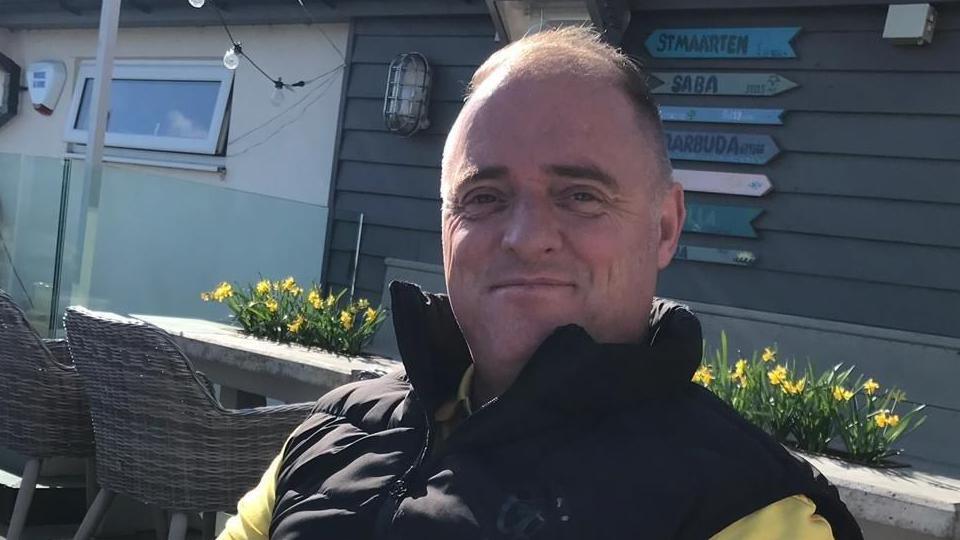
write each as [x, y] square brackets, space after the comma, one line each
[407, 98]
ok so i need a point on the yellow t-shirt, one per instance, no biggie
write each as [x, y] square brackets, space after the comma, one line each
[792, 518]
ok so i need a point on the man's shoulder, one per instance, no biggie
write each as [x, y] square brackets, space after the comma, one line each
[368, 402]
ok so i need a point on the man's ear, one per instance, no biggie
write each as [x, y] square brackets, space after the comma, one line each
[672, 215]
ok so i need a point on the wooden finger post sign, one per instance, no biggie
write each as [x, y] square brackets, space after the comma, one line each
[722, 42]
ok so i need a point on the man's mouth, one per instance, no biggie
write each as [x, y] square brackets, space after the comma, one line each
[536, 283]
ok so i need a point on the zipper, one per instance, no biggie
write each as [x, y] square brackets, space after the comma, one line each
[397, 490]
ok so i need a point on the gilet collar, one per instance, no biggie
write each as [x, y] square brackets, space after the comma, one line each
[569, 372]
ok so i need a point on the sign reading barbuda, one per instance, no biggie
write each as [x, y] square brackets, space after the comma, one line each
[724, 147]
[722, 42]
[686, 83]
[721, 115]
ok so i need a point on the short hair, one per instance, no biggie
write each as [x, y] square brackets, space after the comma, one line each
[581, 50]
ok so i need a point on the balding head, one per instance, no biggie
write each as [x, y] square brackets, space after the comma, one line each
[580, 52]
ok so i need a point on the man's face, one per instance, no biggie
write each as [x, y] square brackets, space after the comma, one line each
[551, 215]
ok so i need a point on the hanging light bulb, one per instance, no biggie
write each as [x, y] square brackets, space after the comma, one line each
[277, 97]
[231, 59]
[197, 3]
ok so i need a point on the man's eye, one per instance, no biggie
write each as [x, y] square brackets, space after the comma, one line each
[583, 196]
[481, 198]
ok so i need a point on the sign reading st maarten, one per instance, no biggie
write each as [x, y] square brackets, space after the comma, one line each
[722, 42]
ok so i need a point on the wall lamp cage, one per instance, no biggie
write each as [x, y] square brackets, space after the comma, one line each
[405, 105]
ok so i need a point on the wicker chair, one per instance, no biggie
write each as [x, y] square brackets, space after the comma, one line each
[161, 437]
[43, 409]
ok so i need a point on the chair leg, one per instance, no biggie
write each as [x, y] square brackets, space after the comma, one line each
[209, 525]
[95, 514]
[28, 483]
[178, 526]
[91, 479]
[160, 522]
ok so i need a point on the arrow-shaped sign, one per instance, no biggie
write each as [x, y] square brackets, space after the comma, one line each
[724, 147]
[703, 83]
[721, 220]
[721, 115]
[714, 255]
[722, 42]
[751, 185]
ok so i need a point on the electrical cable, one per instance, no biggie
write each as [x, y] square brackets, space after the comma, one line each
[16, 274]
[283, 112]
[321, 92]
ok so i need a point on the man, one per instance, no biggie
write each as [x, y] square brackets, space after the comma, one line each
[549, 395]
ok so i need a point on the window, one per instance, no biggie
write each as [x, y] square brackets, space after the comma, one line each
[171, 106]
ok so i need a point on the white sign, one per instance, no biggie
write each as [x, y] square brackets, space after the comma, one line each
[751, 185]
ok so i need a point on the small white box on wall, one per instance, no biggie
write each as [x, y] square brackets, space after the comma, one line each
[910, 24]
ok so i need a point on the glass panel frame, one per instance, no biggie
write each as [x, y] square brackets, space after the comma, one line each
[158, 70]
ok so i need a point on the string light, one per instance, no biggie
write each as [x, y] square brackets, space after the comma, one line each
[277, 97]
[231, 58]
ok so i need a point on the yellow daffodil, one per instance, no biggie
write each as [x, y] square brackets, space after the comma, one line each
[769, 355]
[370, 314]
[778, 375]
[793, 387]
[263, 287]
[331, 300]
[363, 304]
[346, 320]
[871, 387]
[703, 375]
[296, 325]
[222, 292]
[739, 369]
[205, 296]
[842, 394]
[289, 285]
[883, 419]
[315, 300]
[272, 305]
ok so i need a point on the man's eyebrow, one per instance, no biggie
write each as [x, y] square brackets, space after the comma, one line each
[586, 172]
[475, 174]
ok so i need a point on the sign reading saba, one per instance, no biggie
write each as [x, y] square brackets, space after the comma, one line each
[718, 84]
[722, 220]
[721, 115]
[723, 147]
[722, 42]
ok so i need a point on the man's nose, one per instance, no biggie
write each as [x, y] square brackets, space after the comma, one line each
[532, 230]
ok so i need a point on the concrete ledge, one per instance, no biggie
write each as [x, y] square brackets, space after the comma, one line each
[904, 499]
[289, 373]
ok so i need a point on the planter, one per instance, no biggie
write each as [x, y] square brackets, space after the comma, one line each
[901, 503]
[287, 372]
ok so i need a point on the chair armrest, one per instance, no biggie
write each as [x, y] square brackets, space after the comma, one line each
[59, 353]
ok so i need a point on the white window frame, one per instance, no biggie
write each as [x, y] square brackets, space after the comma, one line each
[158, 70]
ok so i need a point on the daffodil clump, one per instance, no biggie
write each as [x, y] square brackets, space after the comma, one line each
[284, 311]
[829, 412]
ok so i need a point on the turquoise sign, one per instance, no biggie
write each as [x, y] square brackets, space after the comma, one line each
[723, 147]
[722, 220]
[695, 83]
[722, 43]
[714, 255]
[721, 115]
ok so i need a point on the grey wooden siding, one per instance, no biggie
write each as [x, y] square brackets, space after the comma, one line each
[393, 180]
[862, 225]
